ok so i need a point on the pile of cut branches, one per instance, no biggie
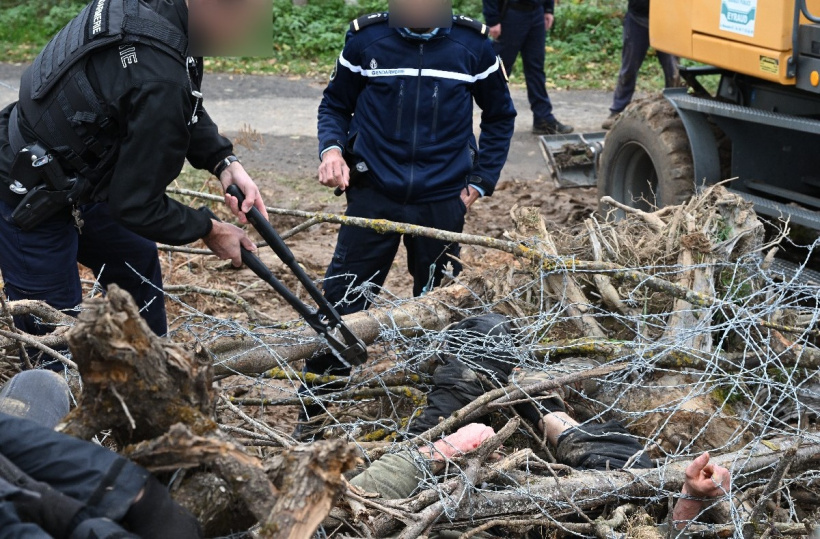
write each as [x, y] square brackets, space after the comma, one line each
[695, 345]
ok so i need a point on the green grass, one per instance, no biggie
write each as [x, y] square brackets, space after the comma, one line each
[26, 26]
[583, 50]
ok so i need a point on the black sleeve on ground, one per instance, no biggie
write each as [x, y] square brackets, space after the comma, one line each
[93, 475]
[600, 446]
[455, 386]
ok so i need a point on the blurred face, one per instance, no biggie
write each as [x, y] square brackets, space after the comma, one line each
[230, 27]
[422, 14]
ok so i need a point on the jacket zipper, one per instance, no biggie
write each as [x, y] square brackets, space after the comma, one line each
[435, 111]
[401, 108]
[415, 126]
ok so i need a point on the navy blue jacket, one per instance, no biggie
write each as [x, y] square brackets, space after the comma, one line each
[492, 8]
[639, 7]
[404, 106]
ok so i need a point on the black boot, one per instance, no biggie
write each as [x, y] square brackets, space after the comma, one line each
[545, 127]
[305, 430]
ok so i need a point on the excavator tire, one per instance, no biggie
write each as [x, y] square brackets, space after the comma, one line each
[647, 160]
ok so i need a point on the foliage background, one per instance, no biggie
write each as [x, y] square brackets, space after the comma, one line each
[583, 50]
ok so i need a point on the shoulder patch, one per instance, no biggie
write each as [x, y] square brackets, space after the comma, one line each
[367, 20]
[479, 27]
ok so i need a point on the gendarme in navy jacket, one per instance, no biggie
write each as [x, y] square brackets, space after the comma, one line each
[404, 106]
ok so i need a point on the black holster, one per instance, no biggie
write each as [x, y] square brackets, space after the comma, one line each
[41, 204]
[48, 189]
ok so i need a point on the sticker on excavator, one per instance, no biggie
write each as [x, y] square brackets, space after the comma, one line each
[738, 16]
[769, 65]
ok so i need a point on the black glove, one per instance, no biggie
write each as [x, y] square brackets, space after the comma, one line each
[157, 516]
[599, 446]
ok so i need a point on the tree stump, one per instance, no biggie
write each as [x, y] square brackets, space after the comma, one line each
[135, 384]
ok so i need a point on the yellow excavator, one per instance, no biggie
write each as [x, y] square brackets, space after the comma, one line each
[761, 124]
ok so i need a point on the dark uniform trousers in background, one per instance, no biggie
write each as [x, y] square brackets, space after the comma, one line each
[636, 45]
[363, 257]
[523, 30]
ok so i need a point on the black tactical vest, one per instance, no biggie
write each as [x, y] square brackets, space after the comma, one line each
[58, 106]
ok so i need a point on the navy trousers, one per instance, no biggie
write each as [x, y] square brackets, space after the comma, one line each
[636, 45]
[363, 257]
[525, 32]
[41, 264]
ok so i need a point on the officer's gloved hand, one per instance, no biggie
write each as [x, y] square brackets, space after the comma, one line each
[157, 516]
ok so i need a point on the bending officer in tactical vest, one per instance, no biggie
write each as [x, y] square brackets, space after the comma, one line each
[398, 112]
[107, 115]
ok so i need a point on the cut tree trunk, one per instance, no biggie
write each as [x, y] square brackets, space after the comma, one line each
[434, 311]
[305, 499]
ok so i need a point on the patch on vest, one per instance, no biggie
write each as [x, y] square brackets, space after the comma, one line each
[128, 55]
[97, 21]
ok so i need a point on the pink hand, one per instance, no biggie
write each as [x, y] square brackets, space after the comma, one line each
[463, 440]
[706, 480]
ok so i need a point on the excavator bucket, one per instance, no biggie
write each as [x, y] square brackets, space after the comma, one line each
[572, 160]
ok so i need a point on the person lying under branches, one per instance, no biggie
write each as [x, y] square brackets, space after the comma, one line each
[397, 475]
[477, 357]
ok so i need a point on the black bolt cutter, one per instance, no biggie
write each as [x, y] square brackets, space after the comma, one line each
[323, 320]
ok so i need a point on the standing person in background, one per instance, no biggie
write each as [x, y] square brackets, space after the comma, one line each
[520, 26]
[636, 45]
[399, 141]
